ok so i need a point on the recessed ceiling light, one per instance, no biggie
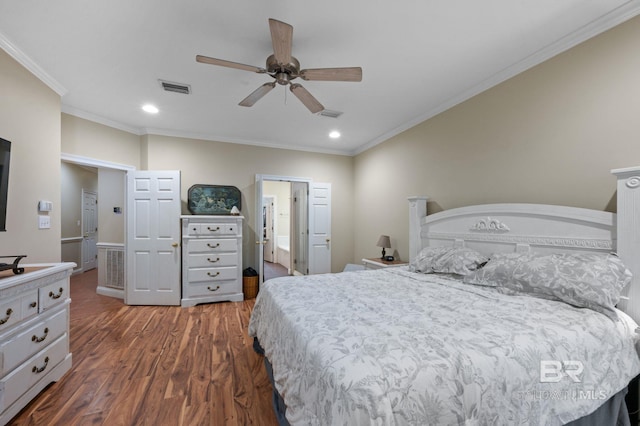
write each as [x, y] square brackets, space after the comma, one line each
[334, 135]
[151, 109]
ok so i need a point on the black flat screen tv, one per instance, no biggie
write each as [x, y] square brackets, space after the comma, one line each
[5, 156]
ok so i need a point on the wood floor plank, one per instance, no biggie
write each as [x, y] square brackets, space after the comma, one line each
[155, 365]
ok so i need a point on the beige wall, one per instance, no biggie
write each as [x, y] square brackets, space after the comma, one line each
[206, 162]
[74, 179]
[97, 141]
[550, 135]
[111, 189]
[30, 119]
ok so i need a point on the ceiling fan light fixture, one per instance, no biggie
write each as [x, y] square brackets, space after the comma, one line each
[282, 78]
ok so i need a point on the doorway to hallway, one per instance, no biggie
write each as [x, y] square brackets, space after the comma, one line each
[295, 233]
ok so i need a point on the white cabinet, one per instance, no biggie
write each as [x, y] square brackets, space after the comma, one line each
[34, 333]
[211, 259]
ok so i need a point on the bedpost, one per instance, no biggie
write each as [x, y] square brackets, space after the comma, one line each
[628, 233]
[417, 211]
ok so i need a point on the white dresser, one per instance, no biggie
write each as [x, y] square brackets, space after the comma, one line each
[34, 333]
[211, 259]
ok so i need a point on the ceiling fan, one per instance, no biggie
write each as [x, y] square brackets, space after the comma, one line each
[284, 68]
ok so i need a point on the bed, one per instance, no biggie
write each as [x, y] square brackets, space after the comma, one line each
[467, 334]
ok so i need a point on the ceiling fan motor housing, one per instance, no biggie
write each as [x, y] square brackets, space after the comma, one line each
[283, 73]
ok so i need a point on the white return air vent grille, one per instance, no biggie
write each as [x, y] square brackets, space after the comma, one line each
[111, 265]
[176, 87]
[115, 268]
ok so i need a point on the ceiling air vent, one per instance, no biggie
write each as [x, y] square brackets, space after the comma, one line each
[329, 113]
[176, 87]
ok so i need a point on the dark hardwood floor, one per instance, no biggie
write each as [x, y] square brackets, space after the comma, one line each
[274, 270]
[154, 365]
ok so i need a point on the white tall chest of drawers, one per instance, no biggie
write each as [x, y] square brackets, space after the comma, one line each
[211, 259]
[34, 333]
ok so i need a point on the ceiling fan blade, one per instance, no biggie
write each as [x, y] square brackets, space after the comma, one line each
[257, 94]
[332, 74]
[229, 64]
[282, 38]
[306, 98]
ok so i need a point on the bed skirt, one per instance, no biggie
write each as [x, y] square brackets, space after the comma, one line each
[614, 412]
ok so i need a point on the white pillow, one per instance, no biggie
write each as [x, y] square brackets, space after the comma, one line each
[448, 260]
[585, 280]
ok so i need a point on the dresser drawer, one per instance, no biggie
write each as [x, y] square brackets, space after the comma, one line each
[53, 294]
[214, 288]
[10, 313]
[212, 229]
[213, 274]
[24, 377]
[32, 340]
[17, 309]
[210, 245]
[207, 260]
[29, 302]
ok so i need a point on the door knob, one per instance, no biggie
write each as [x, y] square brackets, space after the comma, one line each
[174, 245]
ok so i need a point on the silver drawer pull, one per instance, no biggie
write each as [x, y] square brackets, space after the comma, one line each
[213, 289]
[213, 230]
[7, 318]
[214, 275]
[37, 339]
[216, 246]
[56, 296]
[213, 261]
[41, 369]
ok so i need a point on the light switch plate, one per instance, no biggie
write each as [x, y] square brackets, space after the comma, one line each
[44, 222]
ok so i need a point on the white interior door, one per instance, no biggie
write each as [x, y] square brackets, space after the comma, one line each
[153, 238]
[299, 240]
[89, 230]
[268, 228]
[319, 228]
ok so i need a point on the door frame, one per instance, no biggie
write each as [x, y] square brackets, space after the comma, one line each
[260, 178]
[101, 164]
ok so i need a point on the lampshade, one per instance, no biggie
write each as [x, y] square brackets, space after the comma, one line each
[384, 241]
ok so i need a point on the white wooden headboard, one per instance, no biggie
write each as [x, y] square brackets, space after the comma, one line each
[493, 228]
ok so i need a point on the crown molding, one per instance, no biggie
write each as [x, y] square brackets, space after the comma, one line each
[31, 66]
[101, 120]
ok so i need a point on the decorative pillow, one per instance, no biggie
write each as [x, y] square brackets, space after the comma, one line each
[584, 280]
[448, 260]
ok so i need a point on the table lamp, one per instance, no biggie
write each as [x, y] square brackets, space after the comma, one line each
[385, 242]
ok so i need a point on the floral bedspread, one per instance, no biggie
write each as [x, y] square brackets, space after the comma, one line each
[392, 347]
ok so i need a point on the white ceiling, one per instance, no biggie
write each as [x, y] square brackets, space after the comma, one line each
[419, 57]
